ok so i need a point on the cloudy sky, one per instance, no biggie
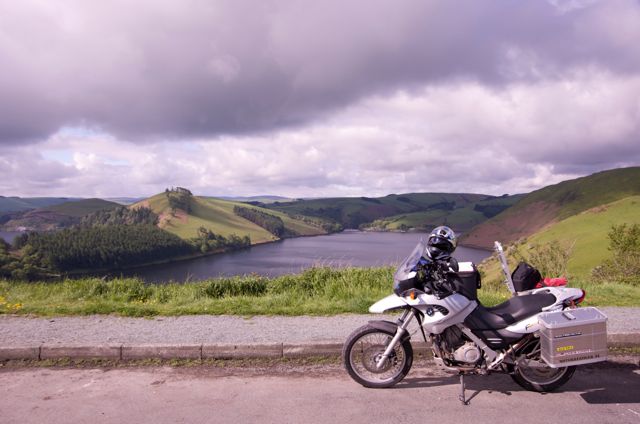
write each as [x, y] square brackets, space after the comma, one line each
[314, 98]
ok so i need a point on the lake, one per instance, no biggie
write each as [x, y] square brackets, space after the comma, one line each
[349, 248]
[8, 236]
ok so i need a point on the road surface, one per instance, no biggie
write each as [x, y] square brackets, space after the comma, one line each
[311, 394]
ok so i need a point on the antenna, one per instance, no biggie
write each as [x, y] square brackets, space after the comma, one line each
[505, 268]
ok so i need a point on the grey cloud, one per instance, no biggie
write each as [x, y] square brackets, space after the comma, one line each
[160, 69]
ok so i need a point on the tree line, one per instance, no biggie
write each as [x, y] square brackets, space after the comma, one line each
[105, 240]
[271, 223]
[208, 241]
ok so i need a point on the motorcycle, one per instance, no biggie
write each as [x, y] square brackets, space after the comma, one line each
[538, 336]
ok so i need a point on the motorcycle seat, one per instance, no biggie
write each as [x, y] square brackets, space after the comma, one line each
[509, 312]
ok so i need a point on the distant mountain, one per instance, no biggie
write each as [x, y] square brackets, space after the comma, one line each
[554, 203]
[252, 199]
[419, 211]
[124, 200]
[54, 216]
[16, 204]
[80, 208]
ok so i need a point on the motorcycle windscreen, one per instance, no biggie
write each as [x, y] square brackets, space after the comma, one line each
[408, 265]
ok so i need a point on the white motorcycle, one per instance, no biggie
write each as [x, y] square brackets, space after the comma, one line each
[537, 336]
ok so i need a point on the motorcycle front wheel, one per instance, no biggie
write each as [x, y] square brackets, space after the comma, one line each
[363, 349]
[532, 373]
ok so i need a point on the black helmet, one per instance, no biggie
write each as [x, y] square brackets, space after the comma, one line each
[442, 242]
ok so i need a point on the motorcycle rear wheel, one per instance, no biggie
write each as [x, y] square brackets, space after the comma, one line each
[533, 374]
[362, 350]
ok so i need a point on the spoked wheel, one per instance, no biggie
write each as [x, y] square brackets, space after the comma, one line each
[532, 373]
[362, 350]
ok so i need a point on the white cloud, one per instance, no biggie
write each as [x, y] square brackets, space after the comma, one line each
[459, 137]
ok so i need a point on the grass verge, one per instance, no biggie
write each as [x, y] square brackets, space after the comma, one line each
[316, 291]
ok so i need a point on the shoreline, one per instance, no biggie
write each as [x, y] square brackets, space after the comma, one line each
[113, 272]
[178, 259]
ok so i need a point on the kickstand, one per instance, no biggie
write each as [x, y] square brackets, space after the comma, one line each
[461, 396]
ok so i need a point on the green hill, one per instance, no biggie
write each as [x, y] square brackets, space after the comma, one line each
[218, 216]
[588, 231]
[554, 203]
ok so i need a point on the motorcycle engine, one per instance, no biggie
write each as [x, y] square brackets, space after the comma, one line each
[468, 353]
[456, 347]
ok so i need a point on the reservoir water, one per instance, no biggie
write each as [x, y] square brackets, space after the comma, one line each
[8, 236]
[350, 248]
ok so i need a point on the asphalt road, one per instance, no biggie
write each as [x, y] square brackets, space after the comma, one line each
[315, 394]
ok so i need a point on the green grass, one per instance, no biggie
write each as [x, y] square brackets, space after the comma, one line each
[317, 291]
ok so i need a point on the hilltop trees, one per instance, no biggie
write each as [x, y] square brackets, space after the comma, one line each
[179, 198]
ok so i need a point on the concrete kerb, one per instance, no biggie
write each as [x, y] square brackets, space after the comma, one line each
[19, 352]
[81, 352]
[306, 350]
[161, 352]
[218, 351]
[623, 340]
[242, 351]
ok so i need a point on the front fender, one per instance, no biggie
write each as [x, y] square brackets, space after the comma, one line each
[388, 303]
[389, 327]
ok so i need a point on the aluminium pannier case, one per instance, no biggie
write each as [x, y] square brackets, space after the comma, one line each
[573, 337]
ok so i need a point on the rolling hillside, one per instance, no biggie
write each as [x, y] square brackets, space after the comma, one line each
[218, 216]
[554, 203]
[587, 232]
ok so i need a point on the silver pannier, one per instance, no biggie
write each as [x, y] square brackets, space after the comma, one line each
[573, 337]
